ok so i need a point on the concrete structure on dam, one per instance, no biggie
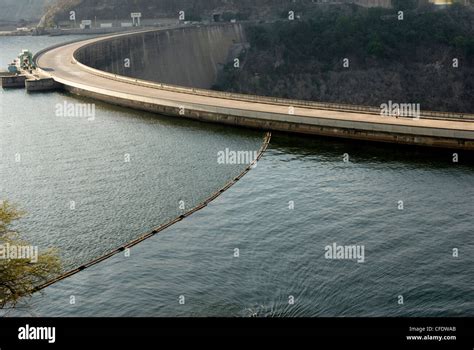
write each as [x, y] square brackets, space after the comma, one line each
[167, 71]
[189, 57]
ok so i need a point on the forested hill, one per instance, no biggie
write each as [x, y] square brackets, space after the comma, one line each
[426, 58]
[158, 8]
[16, 10]
[195, 9]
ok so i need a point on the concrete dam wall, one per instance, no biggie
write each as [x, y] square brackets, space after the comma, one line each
[190, 57]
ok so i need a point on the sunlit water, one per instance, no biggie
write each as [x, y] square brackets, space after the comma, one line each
[88, 184]
[301, 197]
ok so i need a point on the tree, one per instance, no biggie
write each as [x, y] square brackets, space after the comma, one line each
[19, 275]
[375, 47]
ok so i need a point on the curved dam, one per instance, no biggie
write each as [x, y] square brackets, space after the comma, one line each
[190, 57]
[167, 71]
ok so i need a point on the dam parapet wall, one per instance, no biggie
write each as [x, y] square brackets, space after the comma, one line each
[190, 56]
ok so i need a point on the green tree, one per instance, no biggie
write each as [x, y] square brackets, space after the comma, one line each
[375, 47]
[18, 276]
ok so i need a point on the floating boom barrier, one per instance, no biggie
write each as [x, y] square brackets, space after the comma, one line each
[202, 205]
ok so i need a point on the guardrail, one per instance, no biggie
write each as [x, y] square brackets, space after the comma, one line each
[105, 36]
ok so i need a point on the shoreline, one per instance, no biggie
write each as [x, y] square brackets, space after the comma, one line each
[15, 33]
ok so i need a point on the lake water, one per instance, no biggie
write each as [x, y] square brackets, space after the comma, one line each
[259, 249]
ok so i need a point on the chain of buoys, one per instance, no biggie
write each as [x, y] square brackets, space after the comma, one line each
[263, 148]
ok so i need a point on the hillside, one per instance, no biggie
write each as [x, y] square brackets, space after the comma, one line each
[15, 10]
[194, 9]
[409, 61]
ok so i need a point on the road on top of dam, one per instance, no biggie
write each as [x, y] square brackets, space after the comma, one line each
[60, 64]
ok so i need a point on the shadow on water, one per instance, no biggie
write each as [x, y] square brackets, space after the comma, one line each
[316, 146]
[371, 152]
[165, 120]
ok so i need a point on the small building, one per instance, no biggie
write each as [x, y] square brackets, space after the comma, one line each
[86, 24]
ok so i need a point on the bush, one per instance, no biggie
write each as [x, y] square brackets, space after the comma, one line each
[18, 275]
